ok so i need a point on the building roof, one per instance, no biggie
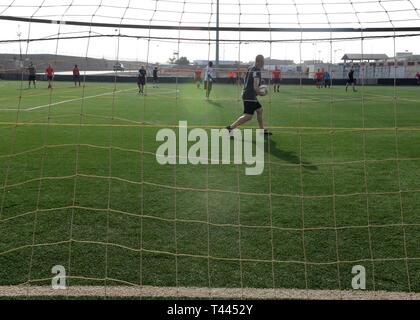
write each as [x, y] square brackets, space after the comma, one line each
[414, 57]
[221, 62]
[313, 62]
[359, 56]
[278, 61]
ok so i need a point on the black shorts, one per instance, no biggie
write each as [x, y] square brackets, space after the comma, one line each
[32, 77]
[351, 81]
[141, 80]
[155, 79]
[49, 78]
[276, 81]
[76, 78]
[251, 106]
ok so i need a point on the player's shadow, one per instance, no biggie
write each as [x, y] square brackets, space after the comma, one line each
[215, 103]
[288, 156]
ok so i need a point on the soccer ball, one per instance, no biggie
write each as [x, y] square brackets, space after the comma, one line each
[263, 90]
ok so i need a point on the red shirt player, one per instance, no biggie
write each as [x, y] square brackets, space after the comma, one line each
[276, 79]
[318, 77]
[197, 77]
[49, 72]
[418, 78]
[231, 76]
[76, 75]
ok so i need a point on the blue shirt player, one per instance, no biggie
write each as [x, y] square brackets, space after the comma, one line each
[141, 79]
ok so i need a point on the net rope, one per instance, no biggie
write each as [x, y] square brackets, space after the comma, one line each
[302, 130]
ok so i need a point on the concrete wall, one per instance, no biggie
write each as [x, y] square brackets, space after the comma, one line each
[295, 81]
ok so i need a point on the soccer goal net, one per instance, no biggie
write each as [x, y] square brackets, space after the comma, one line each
[90, 88]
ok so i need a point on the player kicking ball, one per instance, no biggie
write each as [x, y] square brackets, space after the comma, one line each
[252, 89]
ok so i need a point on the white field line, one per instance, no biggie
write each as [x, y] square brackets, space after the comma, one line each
[156, 93]
[169, 292]
[88, 97]
[1, 110]
[78, 99]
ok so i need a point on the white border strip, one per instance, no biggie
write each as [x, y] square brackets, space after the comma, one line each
[171, 292]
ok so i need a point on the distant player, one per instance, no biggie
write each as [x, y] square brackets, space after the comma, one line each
[32, 75]
[197, 77]
[234, 77]
[327, 79]
[231, 77]
[319, 75]
[156, 77]
[49, 72]
[276, 79]
[239, 77]
[76, 75]
[141, 79]
[209, 76]
[418, 78]
[350, 79]
[249, 96]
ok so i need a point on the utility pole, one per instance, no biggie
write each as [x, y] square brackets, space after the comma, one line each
[20, 48]
[217, 34]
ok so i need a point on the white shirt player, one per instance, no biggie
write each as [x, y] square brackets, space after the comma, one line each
[209, 74]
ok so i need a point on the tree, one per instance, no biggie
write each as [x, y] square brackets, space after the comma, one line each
[183, 61]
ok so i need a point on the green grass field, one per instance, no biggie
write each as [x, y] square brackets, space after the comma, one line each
[80, 187]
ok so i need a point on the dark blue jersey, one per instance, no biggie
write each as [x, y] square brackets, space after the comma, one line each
[32, 70]
[155, 73]
[249, 92]
[142, 73]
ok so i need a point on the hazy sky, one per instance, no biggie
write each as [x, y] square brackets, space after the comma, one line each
[233, 13]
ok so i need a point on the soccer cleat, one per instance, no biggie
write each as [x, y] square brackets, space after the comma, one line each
[267, 133]
[230, 132]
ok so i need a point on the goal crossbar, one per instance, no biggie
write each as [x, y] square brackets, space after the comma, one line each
[209, 28]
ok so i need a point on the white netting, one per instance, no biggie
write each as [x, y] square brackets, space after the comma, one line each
[302, 36]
